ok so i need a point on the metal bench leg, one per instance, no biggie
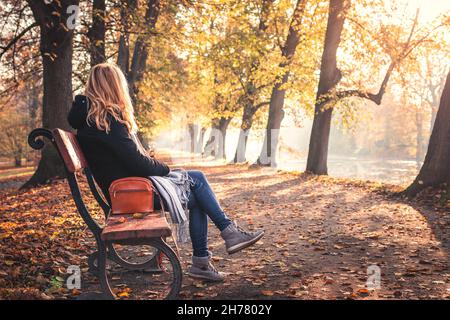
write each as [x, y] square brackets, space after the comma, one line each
[93, 263]
[163, 251]
[150, 266]
[102, 272]
[167, 251]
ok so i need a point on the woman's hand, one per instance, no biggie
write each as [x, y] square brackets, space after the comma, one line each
[151, 152]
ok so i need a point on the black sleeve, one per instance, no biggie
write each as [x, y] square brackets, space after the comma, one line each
[126, 150]
[78, 112]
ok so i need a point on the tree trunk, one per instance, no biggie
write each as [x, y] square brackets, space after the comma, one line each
[419, 137]
[18, 160]
[318, 145]
[196, 138]
[123, 58]
[276, 113]
[56, 51]
[33, 104]
[96, 33]
[192, 138]
[140, 52]
[123, 55]
[436, 92]
[330, 75]
[436, 169]
[133, 66]
[251, 90]
[246, 125]
[215, 145]
[433, 117]
[224, 122]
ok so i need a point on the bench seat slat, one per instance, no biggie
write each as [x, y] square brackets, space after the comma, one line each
[125, 227]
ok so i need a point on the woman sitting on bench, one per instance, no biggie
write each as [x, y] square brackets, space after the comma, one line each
[106, 132]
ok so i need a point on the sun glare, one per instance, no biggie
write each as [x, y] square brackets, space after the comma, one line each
[429, 10]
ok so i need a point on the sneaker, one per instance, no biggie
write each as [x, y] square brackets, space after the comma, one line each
[237, 239]
[202, 268]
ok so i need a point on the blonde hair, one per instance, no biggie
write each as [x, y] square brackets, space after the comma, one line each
[107, 90]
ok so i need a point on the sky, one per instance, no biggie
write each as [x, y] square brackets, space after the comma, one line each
[429, 9]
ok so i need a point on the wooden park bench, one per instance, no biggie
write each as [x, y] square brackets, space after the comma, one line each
[150, 230]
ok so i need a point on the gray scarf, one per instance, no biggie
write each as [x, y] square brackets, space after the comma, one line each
[175, 189]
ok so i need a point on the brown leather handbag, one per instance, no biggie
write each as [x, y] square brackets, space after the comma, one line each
[131, 195]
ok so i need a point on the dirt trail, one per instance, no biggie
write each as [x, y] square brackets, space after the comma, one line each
[322, 235]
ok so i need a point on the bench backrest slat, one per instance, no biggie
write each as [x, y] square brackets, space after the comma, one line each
[70, 150]
[74, 160]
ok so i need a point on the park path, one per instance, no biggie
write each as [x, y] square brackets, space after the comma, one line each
[322, 235]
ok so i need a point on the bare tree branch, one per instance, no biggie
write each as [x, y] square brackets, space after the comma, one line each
[17, 38]
[377, 97]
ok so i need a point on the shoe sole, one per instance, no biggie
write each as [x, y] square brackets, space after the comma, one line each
[197, 276]
[243, 245]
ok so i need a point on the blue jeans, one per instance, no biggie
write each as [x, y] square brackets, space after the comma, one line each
[203, 204]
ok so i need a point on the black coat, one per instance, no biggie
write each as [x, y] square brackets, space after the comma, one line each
[111, 155]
